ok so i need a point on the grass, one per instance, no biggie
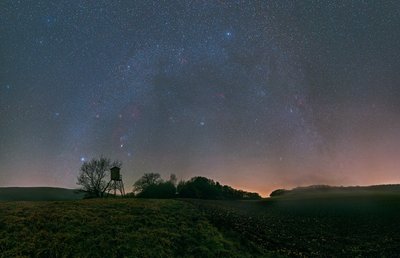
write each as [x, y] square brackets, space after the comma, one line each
[351, 224]
[110, 228]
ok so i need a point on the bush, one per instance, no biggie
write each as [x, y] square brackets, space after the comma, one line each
[161, 190]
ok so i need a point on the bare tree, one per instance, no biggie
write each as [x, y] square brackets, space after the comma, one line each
[93, 176]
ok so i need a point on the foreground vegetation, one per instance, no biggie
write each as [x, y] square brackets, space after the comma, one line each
[110, 228]
[317, 224]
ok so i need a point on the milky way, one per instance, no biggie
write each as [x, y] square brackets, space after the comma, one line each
[255, 94]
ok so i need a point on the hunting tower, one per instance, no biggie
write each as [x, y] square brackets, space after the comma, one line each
[116, 181]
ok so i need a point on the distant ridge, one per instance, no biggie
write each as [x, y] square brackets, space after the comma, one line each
[318, 189]
[39, 194]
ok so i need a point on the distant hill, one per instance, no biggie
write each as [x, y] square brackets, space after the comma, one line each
[38, 194]
[326, 189]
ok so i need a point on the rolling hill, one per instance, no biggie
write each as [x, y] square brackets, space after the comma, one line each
[317, 221]
[337, 190]
[38, 194]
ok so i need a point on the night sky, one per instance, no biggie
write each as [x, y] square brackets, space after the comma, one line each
[255, 94]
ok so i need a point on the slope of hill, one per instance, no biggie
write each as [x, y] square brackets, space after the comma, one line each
[337, 190]
[331, 223]
[111, 228]
[38, 194]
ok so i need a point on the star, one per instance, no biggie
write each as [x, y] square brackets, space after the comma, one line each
[256, 82]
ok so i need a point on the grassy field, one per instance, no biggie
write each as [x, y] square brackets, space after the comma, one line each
[110, 228]
[311, 225]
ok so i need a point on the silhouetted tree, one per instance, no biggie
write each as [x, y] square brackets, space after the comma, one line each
[198, 187]
[160, 190]
[204, 188]
[145, 181]
[151, 185]
[93, 176]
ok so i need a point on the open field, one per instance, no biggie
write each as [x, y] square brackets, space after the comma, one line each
[340, 224]
[109, 228]
[310, 225]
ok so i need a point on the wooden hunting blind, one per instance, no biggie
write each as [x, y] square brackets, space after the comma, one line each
[115, 175]
[116, 181]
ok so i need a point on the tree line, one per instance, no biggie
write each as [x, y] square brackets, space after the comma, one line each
[93, 179]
